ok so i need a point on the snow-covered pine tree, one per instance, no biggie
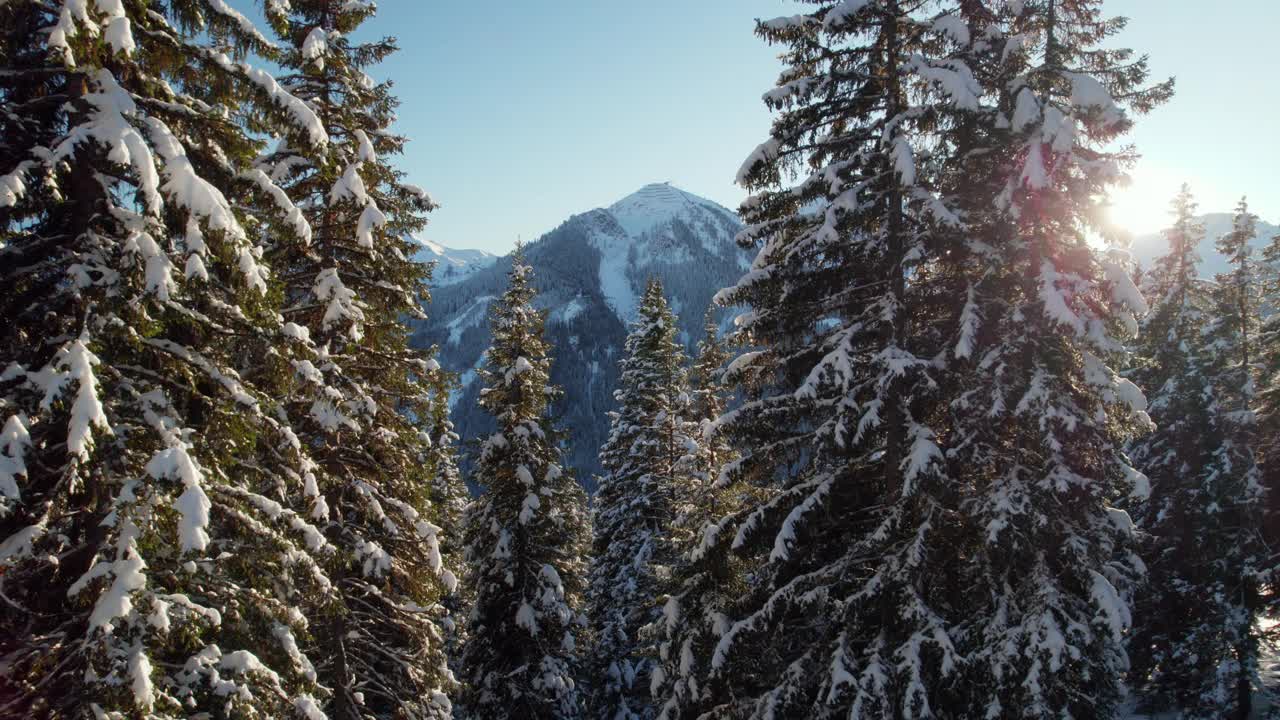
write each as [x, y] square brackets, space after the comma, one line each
[1267, 383]
[151, 562]
[1233, 334]
[852, 546]
[1239, 506]
[449, 498]
[1233, 327]
[1041, 416]
[449, 494]
[1167, 362]
[362, 397]
[934, 337]
[647, 461]
[526, 534]
[708, 399]
[706, 580]
[1195, 647]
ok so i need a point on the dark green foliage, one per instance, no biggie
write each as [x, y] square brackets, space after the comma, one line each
[648, 462]
[1195, 648]
[930, 415]
[1267, 388]
[151, 555]
[526, 533]
[366, 405]
[706, 579]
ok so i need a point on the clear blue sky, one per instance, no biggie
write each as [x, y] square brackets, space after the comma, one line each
[522, 113]
[1221, 131]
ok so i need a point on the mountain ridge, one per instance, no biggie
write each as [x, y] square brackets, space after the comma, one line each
[453, 265]
[1149, 246]
[590, 271]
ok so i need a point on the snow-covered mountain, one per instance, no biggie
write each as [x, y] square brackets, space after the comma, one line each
[590, 272]
[452, 265]
[1146, 248]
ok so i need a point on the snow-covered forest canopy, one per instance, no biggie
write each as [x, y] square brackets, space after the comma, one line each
[916, 433]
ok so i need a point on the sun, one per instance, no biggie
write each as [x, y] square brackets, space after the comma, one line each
[1142, 206]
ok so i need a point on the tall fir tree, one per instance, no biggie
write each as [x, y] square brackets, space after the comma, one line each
[526, 534]
[1042, 416]
[1266, 362]
[1168, 364]
[449, 492]
[648, 462]
[1195, 646]
[931, 409]
[706, 580]
[1239, 507]
[151, 557]
[1237, 297]
[449, 498]
[708, 400]
[848, 613]
[363, 397]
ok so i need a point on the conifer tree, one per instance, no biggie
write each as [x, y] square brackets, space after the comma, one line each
[848, 612]
[931, 411]
[1169, 364]
[363, 397]
[449, 499]
[1236, 298]
[526, 533]
[1267, 410]
[151, 557]
[1042, 416]
[647, 463]
[706, 580]
[708, 400]
[449, 494]
[1196, 647]
[1239, 506]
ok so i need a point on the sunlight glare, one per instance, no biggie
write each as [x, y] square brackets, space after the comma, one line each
[1142, 206]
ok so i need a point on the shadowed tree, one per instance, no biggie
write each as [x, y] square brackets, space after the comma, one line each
[526, 533]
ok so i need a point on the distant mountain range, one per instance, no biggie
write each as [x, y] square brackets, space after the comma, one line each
[452, 265]
[590, 273]
[1146, 248]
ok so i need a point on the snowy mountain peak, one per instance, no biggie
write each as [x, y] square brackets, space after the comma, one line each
[661, 225]
[433, 247]
[452, 265]
[590, 272]
[656, 204]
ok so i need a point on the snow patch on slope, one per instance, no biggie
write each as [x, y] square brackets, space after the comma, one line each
[473, 315]
[570, 310]
[616, 287]
[464, 381]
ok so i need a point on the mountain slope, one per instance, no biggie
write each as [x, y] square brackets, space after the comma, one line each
[589, 272]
